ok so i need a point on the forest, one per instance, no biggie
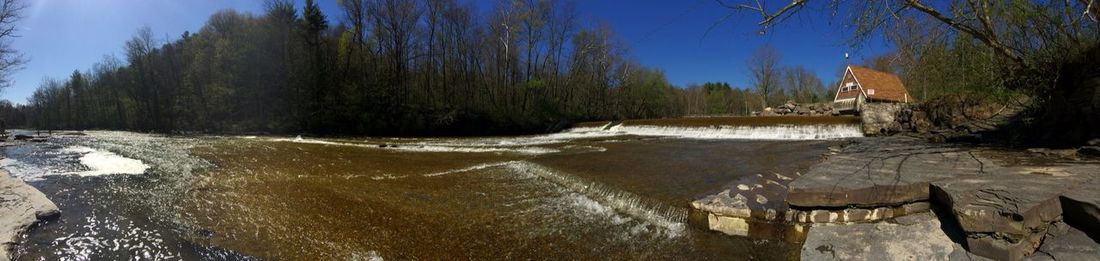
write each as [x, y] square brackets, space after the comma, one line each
[442, 67]
[388, 67]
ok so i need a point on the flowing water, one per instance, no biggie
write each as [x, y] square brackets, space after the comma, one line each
[587, 193]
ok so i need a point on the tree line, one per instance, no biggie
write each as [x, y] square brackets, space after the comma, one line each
[386, 67]
[995, 52]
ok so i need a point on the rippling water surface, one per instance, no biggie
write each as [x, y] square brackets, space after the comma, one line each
[583, 194]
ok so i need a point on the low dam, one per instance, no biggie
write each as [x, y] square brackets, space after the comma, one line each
[592, 192]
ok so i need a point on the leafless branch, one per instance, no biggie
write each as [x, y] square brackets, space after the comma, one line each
[11, 11]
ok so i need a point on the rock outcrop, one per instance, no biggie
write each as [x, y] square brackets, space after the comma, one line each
[1064, 242]
[791, 108]
[1081, 206]
[881, 172]
[999, 204]
[21, 206]
[914, 237]
[1006, 214]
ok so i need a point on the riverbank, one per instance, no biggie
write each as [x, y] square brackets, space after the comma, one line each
[21, 207]
[902, 196]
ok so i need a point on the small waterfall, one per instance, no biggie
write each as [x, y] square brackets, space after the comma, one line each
[657, 213]
[768, 132]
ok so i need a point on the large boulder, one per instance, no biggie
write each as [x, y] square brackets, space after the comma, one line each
[919, 122]
[769, 112]
[802, 110]
[21, 206]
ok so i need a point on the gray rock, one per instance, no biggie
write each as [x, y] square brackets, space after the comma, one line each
[1014, 204]
[1089, 150]
[20, 207]
[758, 197]
[1081, 206]
[1006, 214]
[880, 118]
[886, 171]
[802, 110]
[1070, 154]
[1067, 243]
[918, 237]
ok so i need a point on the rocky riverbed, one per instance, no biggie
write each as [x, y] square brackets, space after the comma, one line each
[899, 192]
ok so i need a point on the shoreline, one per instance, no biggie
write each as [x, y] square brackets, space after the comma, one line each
[21, 208]
[902, 196]
[892, 196]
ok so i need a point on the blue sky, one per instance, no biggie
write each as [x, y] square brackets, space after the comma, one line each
[60, 36]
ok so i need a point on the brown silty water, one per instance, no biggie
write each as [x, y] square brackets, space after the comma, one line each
[583, 194]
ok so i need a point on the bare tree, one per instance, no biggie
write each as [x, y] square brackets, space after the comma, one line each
[764, 70]
[990, 23]
[11, 60]
[803, 84]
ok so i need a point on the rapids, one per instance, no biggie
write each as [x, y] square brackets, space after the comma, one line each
[585, 193]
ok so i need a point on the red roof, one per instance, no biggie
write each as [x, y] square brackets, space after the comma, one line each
[880, 86]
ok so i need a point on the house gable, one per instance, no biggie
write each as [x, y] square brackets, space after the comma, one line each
[849, 87]
[872, 85]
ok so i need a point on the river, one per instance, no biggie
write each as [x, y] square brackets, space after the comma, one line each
[586, 193]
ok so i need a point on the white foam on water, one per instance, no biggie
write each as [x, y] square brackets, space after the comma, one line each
[105, 234]
[105, 162]
[22, 170]
[387, 176]
[97, 162]
[521, 141]
[597, 197]
[772, 132]
[374, 256]
[470, 168]
[428, 148]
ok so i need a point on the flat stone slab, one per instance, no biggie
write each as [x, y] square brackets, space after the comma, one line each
[914, 237]
[1005, 214]
[1067, 243]
[20, 207]
[760, 197]
[1081, 206]
[1015, 204]
[884, 171]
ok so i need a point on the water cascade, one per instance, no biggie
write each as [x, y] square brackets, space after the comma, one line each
[770, 132]
[657, 213]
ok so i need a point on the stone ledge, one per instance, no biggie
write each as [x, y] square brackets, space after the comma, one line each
[1081, 207]
[881, 172]
[1007, 214]
[917, 237]
[21, 206]
[1002, 203]
[1063, 242]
